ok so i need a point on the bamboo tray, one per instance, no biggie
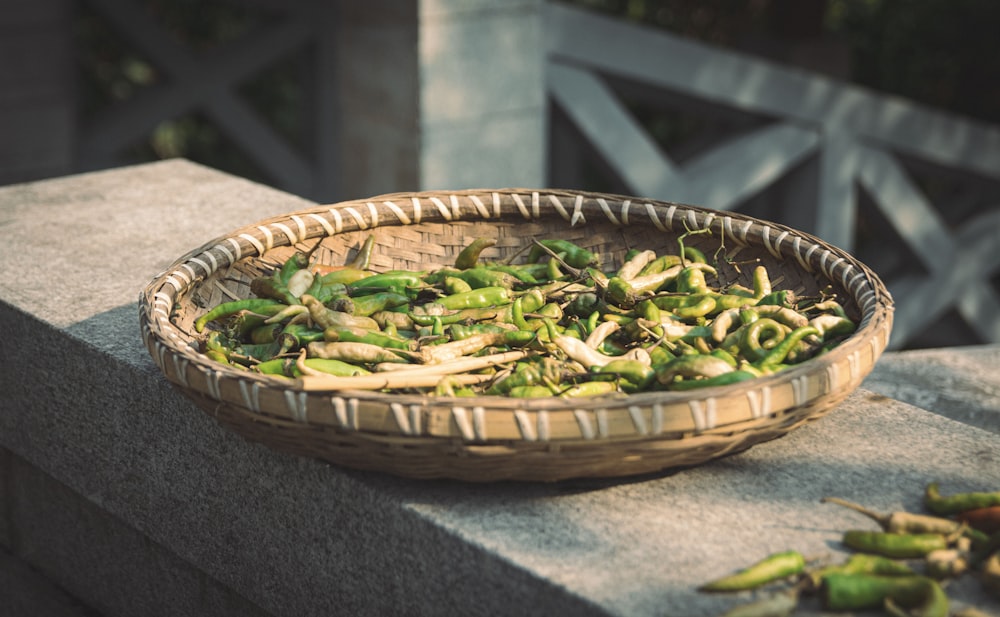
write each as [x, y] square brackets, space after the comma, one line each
[495, 438]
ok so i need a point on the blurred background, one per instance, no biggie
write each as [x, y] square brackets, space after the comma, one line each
[874, 124]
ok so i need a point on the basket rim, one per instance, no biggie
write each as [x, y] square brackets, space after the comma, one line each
[178, 358]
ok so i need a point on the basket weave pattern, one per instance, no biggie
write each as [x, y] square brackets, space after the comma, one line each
[492, 438]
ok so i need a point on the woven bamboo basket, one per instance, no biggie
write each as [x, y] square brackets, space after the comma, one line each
[496, 438]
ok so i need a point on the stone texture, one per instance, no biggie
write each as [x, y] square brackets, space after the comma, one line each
[960, 383]
[85, 406]
[66, 534]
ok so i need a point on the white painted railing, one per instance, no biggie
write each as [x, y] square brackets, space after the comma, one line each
[856, 136]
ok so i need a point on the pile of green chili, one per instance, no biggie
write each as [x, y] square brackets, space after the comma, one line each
[657, 322]
[902, 568]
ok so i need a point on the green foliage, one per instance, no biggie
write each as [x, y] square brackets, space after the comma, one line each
[939, 52]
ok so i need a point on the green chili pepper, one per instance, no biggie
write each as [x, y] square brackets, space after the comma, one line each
[573, 255]
[527, 377]
[454, 285]
[621, 292]
[360, 335]
[894, 545]
[266, 333]
[690, 253]
[469, 256]
[589, 388]
[831, 306]
[529, 392]
[725, 355]
[550, 309]
[782, 297]
[750, 341]
[523, 273]
[692, 280]
[459, 331]
[236, 351]
[477, 298]
[831, 326]
[300, 334]
[344, 276]
[219, 343]
[271, 287]
[959, 502]
[373, 303]
[227, 309]
[772, 568]
[315, 288]
[584, 304]
[293, 264]
[638, 375]
[725, 379]
[863, 563]
[921, 595]
[480, 277]
[697, 305]
[694, 365]
[240, 325]
[287, 367]
[660, 264]
[552, 271]
[399, 281]
[327, 293]
[499, 313]
[250, 353]
[327, 318]
[729, 301]
[781, 350]
[517, 314]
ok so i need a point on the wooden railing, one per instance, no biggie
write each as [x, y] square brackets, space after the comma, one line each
[805, 150]
[855, 146]
[207, 84]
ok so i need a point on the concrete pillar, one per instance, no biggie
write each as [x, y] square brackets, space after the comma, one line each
[377, 91]
[441, 94]
[482, 94]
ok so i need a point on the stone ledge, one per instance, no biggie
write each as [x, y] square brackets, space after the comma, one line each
[289, 536]
[961, 383]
